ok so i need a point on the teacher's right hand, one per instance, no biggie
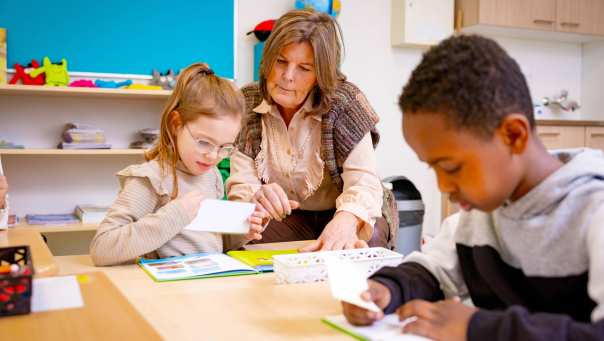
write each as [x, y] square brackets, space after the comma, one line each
[272, 198]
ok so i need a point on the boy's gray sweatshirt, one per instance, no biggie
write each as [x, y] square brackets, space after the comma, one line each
[535, 266]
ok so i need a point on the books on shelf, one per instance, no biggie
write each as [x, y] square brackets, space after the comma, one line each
[5, 144]
[199, 265]
[91, 214]
[83, 136]
[66, 145]
[261, 260]
[51, 219]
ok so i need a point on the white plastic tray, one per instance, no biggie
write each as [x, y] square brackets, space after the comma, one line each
[310, 267]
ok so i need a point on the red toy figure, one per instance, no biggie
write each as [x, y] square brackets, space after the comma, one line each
[21, 73]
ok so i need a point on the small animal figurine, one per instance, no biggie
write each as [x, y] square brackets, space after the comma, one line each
[167, 81]
[22, 73]
[111, 84]
[56, 74]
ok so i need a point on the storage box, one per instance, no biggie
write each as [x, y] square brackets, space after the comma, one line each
[15, 286]
[310, 267]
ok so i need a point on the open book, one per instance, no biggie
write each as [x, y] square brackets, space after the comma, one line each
[261, 260]
[198, 265]
[389, 328]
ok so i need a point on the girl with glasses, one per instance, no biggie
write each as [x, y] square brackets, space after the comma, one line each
[160, 197]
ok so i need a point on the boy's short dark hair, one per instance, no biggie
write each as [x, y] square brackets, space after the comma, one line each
[471, 80]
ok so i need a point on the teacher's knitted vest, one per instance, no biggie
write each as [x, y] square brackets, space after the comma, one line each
[343, 125]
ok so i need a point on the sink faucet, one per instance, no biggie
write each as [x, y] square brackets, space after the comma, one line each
[562, 101]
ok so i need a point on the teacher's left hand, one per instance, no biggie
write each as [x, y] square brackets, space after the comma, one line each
[340, 233]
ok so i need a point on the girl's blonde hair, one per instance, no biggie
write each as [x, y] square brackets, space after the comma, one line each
[324, 34]
[198, 92]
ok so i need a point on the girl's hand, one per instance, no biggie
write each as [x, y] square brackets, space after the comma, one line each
[3, 191]
[273, 200]
[191, 202]
[340, 233]
[258, 221]
[379, 294]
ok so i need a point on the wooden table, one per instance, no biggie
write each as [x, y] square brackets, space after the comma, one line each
[106, 315]
[230, 308]
[44, 263]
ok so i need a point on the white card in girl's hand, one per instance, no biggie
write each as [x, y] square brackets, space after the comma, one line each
[222, 216]
[347, 282]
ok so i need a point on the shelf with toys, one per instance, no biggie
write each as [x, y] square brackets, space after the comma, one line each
[33, 90]
[46, 180]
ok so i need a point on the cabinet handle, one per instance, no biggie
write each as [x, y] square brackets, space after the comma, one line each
[597, 134]
[569, 24]
[549, 133]
[543, 22]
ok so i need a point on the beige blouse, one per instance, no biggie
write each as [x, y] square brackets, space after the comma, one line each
[291, 157]
[144, 221]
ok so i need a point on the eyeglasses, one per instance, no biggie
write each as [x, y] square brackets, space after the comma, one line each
[206, 147]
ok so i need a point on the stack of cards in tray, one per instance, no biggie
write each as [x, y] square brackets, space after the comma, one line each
[83, 136]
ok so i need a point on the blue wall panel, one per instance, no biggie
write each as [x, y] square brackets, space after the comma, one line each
[113, 36]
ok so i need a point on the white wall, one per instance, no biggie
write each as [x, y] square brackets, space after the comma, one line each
[593, 80]
[380, 71]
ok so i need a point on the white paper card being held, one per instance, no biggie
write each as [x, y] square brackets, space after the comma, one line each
[347, 283]
[222, 216]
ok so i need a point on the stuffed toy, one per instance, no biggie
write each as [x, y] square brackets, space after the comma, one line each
[111, 84]
[263, 30]
[22, 73]
[56, 74]
[167, 81]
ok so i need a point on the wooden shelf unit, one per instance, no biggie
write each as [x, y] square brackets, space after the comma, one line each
[78, 227]
[100, 152]
[29, 90]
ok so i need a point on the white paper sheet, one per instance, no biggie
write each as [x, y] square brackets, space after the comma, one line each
[54, 293]
[222, 216]
[347, 282]
[387, 329]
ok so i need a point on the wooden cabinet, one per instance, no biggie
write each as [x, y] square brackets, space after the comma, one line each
[534, 14]
[580, 16]
[594, 137]
[585, 17]
[556, 137]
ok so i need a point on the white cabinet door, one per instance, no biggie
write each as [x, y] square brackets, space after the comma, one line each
[421, 22]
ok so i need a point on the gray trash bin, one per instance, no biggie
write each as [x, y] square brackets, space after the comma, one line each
[410, 213]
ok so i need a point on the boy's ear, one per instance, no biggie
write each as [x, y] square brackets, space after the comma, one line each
[515, 132]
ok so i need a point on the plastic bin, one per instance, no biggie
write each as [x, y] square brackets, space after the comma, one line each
[15, 287]
[410, 212]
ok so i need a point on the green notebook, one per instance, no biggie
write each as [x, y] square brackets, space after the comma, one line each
[261, 260]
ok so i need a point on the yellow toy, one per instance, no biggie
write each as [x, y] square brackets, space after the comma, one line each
[144, 87]
[56, 74]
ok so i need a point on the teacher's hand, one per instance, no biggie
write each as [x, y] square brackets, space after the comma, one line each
[272, 198]
[339, 234]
